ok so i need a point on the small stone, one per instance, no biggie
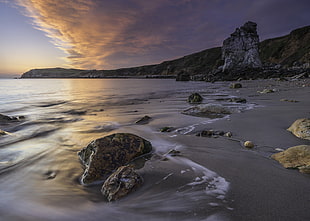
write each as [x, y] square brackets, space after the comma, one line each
[248, 144]
[120, 183]
[237, 100]
[288, 100]
[267, 91]
[166, 129]
[50, 175]
[143, 120]
[174, 153]
[2, 132]
[235, 85]
[195, 98]
[228, 134]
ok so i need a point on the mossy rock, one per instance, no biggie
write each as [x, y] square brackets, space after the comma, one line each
[195, 98]
[120, 183]
[301, 128]
[235, 85]
[103, 156]
[297, 157]
[144, 120]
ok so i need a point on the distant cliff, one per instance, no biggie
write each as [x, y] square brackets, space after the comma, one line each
[290, 51]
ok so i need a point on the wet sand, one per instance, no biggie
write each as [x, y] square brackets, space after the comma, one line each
[213, 179]
[260, 188]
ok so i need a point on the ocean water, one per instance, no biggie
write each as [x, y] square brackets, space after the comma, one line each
[40, 169]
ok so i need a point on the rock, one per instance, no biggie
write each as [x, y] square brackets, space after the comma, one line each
[195, 98]
[166, 129]
[207, 110]
[183, 76]
[228, 134]
[301, 128]
[240, 50]
[120, 183]
[235, 85]
[103, 156]
[303, 75]
[297, 157]
[237, 100]
[5, 118]
[210, 133]
[288, 100]
[50, 175]
[248, 144]
[75, 112]
[144, 120]
[267, 91]
[2, 132]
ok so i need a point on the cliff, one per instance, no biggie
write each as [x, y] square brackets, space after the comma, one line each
[287, 50]
[290, 51]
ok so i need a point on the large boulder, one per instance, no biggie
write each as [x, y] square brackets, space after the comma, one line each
[301, 128]
[297, 157]
[240, 50]
[103, 156]
[120, 183]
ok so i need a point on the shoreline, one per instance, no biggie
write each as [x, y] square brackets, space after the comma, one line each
[251, 185]
[261, 189]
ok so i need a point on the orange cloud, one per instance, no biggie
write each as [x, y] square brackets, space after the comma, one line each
[92, 33]
[106, 34]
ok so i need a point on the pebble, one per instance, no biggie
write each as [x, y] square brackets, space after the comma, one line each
[248, 144]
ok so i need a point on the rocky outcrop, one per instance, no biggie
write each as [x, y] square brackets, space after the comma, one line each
[103, 156]
[240, 50]
[301, 128]
[5, 118]
[144, 120]
[213, 133]
[207, 110]
[292, 50]
[120, 183]
[297, 157]
[183, 76]
[194, 98]
[284, 56]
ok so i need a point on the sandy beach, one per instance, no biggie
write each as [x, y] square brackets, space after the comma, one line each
[261, 189]
[210, 179]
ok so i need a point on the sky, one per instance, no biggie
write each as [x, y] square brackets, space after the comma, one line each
[106, 34]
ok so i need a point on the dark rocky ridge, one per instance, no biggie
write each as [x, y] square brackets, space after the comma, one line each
[284, 56]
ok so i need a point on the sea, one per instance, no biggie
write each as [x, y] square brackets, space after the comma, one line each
[40, 170]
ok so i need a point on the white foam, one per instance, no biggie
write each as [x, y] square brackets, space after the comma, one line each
[216, 185]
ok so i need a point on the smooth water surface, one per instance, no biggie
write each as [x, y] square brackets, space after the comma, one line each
[40, 169]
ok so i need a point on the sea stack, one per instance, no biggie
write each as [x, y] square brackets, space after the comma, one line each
[240, 50]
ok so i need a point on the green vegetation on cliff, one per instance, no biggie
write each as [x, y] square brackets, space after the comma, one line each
[287, 51]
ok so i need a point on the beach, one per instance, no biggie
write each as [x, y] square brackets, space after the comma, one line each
[207, 179]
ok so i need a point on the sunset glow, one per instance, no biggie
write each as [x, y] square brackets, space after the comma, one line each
[112, 34]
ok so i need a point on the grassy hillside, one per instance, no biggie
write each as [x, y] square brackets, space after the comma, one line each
[287, 51]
